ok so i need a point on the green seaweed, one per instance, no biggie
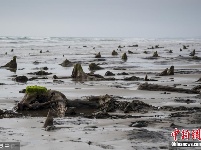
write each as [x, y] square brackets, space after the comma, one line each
[36, 89]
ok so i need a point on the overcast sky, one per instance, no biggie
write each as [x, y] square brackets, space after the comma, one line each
[101, 18]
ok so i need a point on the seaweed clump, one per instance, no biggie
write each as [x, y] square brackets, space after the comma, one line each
[36, 89]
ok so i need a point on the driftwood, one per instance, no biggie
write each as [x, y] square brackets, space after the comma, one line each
[156, 87]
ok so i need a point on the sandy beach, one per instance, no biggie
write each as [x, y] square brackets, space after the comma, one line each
[143, 129]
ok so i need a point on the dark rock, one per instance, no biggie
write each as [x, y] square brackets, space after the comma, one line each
[133, 45]
[55, 77]
[192, 53]
[41, 51]
[139, 124]
[12, 50]
[84, 46]
[100, 59]
[50, 128]
[95, 75]
[133, 78]
[146, 78]
[71, 111]
[44, 68]
[22, 91]
[155, 54]
[164, 72]
[94, 66]
[1, 112]
[101, 115]
[167, 71]
[171, 71]
[98, 55]
[184, 47]
[170, 51]
[124, 56]
[41, 72]
[130, 52]
[12, 64]
[36, 78]
[123, 73]
[196, 88]
[109, 73]
[66, 63]
[21, 79]
[114, 53]
[121, 46]
[36, 62]
[180, 49]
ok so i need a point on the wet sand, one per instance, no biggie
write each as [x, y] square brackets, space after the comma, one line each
[113, 133]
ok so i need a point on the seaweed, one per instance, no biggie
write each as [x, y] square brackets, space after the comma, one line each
[36, 89]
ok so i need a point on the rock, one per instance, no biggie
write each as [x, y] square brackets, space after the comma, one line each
[171, 71]
[184, 47]
[78, 72]
[156, 87]
[139, 124]
[192, 53]
[55, 77]
[114, 53]
[66, 63]
[101, 115]
[98, 55]
[41, 72]
[109, 73]
[133, 78]
[49, 119]
[124, 56]
[123, 73]
[155, 54]
[71, 111]
[196, 88]
[94, 66]
[100, 59]
[180, 49]
[50, 128]
[133, 45]
[130, 52]
[146, 78]
[36, 78]
[167, 71]
[12, 50]
[1, 112]
[170, 51]
[84, 46]
[164, 72]
[121, 46]
[44, 68]
[41, 51]
[21, 79]
[12, 64]
[145, 52]
[22, 91]
[199, 80]
[95, 75]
